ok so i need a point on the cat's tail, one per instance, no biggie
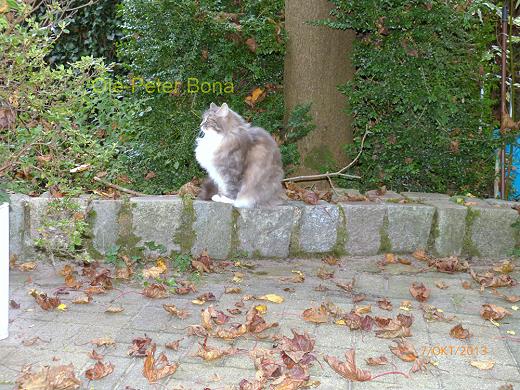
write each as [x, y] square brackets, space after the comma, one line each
[208, 189]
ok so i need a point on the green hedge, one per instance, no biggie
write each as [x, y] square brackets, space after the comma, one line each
[417, 88]
[242, 43]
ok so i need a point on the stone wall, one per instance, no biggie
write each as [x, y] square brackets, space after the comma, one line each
[400, 224]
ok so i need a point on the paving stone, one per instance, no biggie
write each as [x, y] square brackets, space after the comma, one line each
[491, 233]
[319, 228]
[265, 232]
[449, 229]
[408, 226]
[213, 228]
[364, 222]
[105, 224]
[156, 219]
[425, 196]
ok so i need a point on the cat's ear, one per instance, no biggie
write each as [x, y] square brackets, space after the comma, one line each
[213, 106]
[224, 110]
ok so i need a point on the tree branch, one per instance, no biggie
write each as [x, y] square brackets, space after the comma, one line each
[339, 173]
[119, 188]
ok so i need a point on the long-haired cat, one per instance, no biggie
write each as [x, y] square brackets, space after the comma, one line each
[243, 161]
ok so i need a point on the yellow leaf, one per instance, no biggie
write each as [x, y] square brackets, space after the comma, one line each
[4, 7]
[494, 322]
[61, 307]
[483, 364]
[406, 306]
[238, 276]
[261, 309]
[511, 332]
[515, 308]
[340, 322]
[198, 302]
[271, 298]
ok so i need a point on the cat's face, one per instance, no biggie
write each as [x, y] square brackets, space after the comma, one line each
[219, 120]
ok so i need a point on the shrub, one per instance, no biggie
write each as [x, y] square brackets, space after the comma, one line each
[212, 41]
[55, 133]
[417, 89]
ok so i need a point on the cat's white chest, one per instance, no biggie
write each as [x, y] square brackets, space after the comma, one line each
[205, 152]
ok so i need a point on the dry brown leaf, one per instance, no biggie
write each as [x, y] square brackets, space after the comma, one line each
[483, 364]
[174, 311]
[489, 279]
[191, 188]
[493, 312]
[156, 369]
[208, 353]
[330, 260]
[348, 369]
[84, 299]
[55, 378]
[95, 355]
[419, 291]
[173, 345]
[432, 313]
[156, 291]
[103, 341]
[466, 285]
[317, 315]
[378, 361]
[114, 309]
[421, 255]
[28, 266]
[139, 346]
[99, 370]
[404, 351]
[256, 96]
[45, 302]
[458, 332]
[506, 267]
[203, 263]
[440, 284]
[233, 290]
[385, 304]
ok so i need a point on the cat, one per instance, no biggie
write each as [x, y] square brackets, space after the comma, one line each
[243, 162]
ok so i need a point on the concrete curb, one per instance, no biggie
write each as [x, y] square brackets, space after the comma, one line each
[171, 225]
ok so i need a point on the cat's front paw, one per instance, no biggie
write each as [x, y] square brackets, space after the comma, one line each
[221, 199]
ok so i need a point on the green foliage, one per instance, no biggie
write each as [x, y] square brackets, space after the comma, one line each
[63, 230]
[213, 41]
[91, 31]
[60, 133]
[182, 262]
[417, 89]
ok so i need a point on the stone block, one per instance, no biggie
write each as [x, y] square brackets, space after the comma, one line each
[409, 226]
[450, 228]
[213, 228]
[105, 224]
[364, 222]
[17, 224]
[266, 232]
[157, 220]
[387, 196]
[490, 232]
[318, 228]
[424, 196]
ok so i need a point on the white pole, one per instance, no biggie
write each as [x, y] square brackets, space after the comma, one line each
[4, 270]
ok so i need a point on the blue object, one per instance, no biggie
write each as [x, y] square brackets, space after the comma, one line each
[514, 193]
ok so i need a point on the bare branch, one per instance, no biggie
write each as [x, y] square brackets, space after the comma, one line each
[339, 173]
[119, 188]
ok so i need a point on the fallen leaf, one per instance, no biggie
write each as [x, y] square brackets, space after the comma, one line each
[404, 351]
[251, 44]
[459, 332]
[421, 255]
[13, 304]
[45, 302]
[28, 266]
[317, 315]
[493, 312]
[203, 263]
[84, 299]
[330, 260]
[208, 353]
[419, 291]
[114, 309]
[173, 345]
[56, 378]
[506, 267]
[385, 304]
[356, 298]
[103, 341]
[203, 298]
[440, 284]
[466, 285]
[99, 370]
[256, 96]
[156, 291]
[174, 311]
[348, 369]
[271, 298]
[233, 290]
[483, 364]
[139, 346]
[378, 361]
[156, 369]
[95, 355]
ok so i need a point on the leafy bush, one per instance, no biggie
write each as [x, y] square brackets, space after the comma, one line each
[91, 31]
[55, 133]
[239, 42]
[417, 89]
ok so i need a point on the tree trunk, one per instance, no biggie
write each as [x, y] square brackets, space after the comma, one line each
[317, 61]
